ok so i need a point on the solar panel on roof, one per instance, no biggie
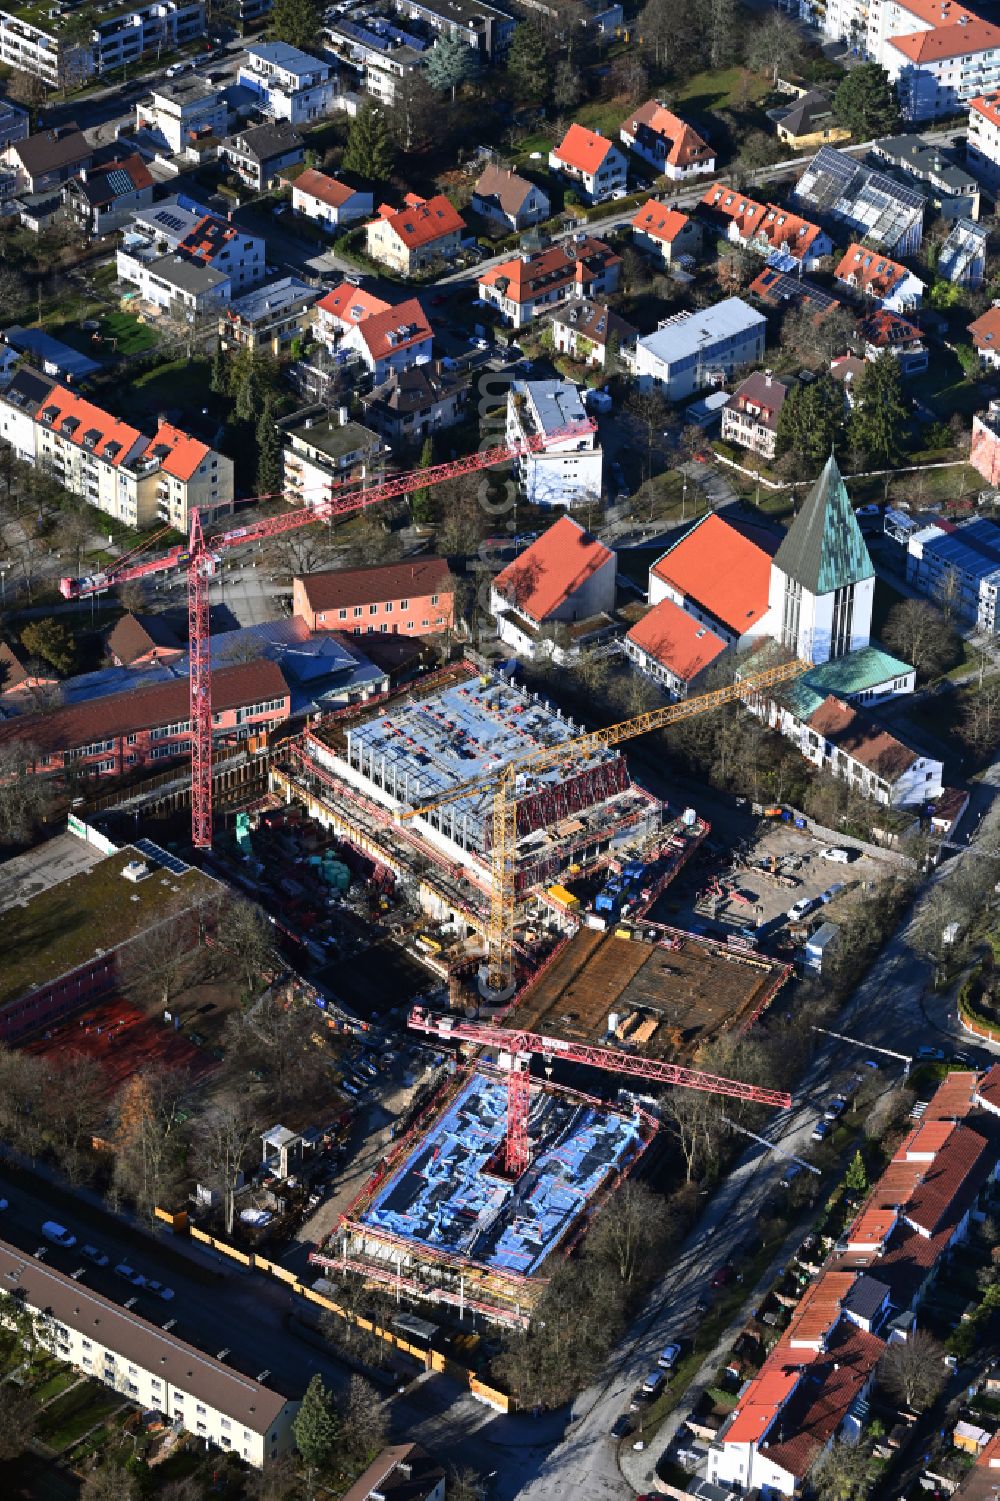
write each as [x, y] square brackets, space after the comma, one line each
[161, 857]
[119, 181]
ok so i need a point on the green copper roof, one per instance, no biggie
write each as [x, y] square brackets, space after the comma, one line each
[823, 548]
[843, 677]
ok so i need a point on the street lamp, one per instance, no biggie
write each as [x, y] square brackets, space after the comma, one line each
[3, 585]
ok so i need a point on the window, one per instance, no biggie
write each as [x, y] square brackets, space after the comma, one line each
[404, 604]
[373, 609]
[434, 599]
[358, 611]
[388, 608]
[341, 614]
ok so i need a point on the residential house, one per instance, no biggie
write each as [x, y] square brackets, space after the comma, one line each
[259, 154]
[960, 563]
[765, 227]
[328, 202]
[983, 144]
[887, 214]
[750, 416]
[403, 1472]
[142, 641]
[111, 465]
[180, 112]
[666, 143]
[288, 84]
[120, 732]
[478, 23]
[342, 308]
[532, 282]
[568, 470]
[412, 598]
[104, 198]
[780, 290]
[14, 124]
[985, 331]
[414, 403]
[322, 456]
[508, 201]
[691, 350]
[152, 1367]
[586, 331]
[665, 232]
[48, 158]
[387, 55]
[565, 579]
[871, 275]
[963, 255]
[590, 162]
[21, 675]
[718, 574]
[410, 239]
[950, 189]
[183, 259]
[392, 341]
[269, 318]
[808, 123]
[984, 453]
[883, 330]
[671, 647]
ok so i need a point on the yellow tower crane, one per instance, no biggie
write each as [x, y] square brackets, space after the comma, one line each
[503, 886]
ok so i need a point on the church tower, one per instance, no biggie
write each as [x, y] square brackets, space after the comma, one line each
[822, 579]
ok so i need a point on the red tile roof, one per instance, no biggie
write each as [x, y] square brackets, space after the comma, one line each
[886, 330]
[985, 330]
[943, 1179]
[870, 271]
[326, 189]
[62, 405]
[953, 1098]
[423, 220]
[659, 222]
[722, 570]
[830, 1385]
[78, 725]
[351, 304]
[397, 327]
[686, 145]
[987, 105]
[868, 743]
[778, 227]
[556, 564]
[528, 276]
[338, 588]
[583, 150]
[818, 1311]
[957, 40]
[988, 1088]
[184, 453]
[676, 641]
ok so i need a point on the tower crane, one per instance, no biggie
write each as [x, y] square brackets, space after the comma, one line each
[504, 786]
[517, 1047]
[201, 558]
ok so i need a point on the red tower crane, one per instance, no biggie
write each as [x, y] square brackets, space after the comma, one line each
[517, 1047]
[201, 558]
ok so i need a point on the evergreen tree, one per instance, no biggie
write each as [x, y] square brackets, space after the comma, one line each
[219, 379]
[248, 394]
[369, 151]
[269, 463]
[856, 1177]
[451, 62]
[879, 418]
[315, 1425]
[421, 507]
[866, 102]
[811, 421]
[297, 22]
[528, 64]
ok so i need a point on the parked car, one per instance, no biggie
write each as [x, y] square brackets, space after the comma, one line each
[622, 1426]
[835, 1109]
[790, 1174]
[838, 856]
[94, 1254]
[821, 1130]
[166, 1293]
[130, 1274]
[930, 1055]
[668, 1357]
[653, 1384]
[832, 891]
[58, 1234]
[802, 908]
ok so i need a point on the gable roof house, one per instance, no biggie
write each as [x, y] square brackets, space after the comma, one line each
[387, 338]
[750, 416]
[665, 232]
[413, 237]
[103, 198]
[531, 282]
[328, 202]
[261, 152]
[412, 598]
[140, 640]
[808, 121]
[870, 274]
[985, 332]
[567, 579]
[48, 157]
[503, 197]
[718, 574]
[669, 145]
[765, 227]
[585, 331]
[402, 1472]
[673, 648]
[590, 162]
[883, 330]
[410, 404]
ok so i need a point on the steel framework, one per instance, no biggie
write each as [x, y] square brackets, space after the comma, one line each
[201, 556]
[518, 1047]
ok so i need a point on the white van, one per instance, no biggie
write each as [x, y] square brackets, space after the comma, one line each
[58, 1234]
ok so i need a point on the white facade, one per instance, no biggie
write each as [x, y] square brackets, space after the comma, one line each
[917, 783]
[126, 38]
[827, 625]
[332, 216]
[597, 180]
[691, 350]
[288, 84]
[983, 145]
[180, 109]
[568, 472]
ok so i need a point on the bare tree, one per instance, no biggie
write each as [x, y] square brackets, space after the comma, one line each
[697, 1119]
[913, 1370]
[224, 1139]
[158, 967]
[25, 797]
[630, 1232]
[845, 1472]
[244, 942]
[921, 635]
[464, 1484]
[18, 1420]
[149, 1138]
[366, 1422]
[109, 1482]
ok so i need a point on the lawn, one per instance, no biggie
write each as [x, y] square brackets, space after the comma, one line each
[70, 1416]
[180, 384]
[60, 1379]
[721, 88]
[129, 335]
[945, 388]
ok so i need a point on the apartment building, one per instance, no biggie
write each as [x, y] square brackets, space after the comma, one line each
[750, 416]
[565, 578]
[323, 455]
[110, 464]
[288, 84]
[691, 350]
[181, 111]
[384, 52]
[121, 732]
[326, 201]
[268, 318]
[961, 564]
[185, 261]
[566, 472]
[415, 598]
[666, 143]
[765, 227]
[534, 281]
[983, 142]
[30, 42]
[508, 200]
[476, 22]
[259, 154]
[665, 232]
[150, 1366]
[950, 189]
[14, 124]
[412, 238]
[589, 162]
